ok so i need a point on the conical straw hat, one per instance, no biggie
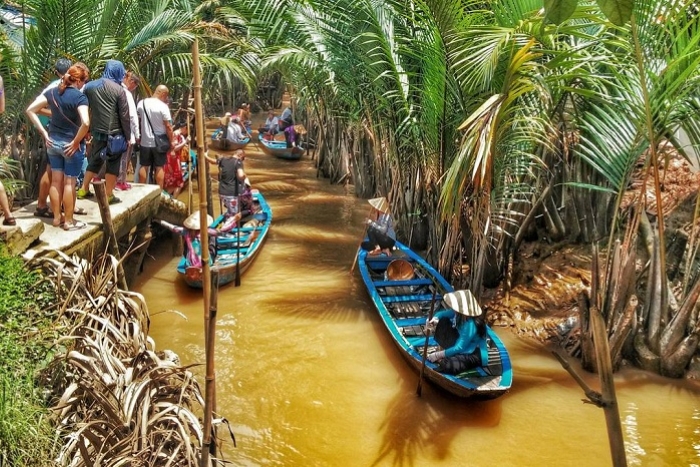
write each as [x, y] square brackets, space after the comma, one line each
[192, 222]
[463, 302]
[380, 204]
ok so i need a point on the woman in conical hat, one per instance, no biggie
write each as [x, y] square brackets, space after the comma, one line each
[381, 236]
[461, 332]
[190, 231]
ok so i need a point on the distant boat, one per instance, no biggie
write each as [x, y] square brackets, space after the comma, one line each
[403, 304]
[279, 149]
[219, 142]
[229, 250]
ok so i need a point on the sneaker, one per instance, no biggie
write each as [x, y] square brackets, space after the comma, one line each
[114, 200]
[82, 194]
[122, 186]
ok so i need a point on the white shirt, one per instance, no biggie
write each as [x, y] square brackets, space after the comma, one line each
[158, 113]
[235, 134]
[133, 116]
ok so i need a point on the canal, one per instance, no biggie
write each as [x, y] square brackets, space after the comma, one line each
[307, 375]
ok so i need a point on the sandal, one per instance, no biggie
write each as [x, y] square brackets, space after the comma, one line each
[9, 221]
[79, 211]
[76, 225]
[44, 212]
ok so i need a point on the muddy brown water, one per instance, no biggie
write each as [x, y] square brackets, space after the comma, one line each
[308, 376]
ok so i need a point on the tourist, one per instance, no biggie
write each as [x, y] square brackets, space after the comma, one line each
[271, 124]
[9, 220]
[42, 207]
[64, 140]
[380, 231]
[231, 178]
[156, 134]
[109, 116]
[173, 169]
[130, 82]
[286, 119]
[244, 116]
[461, 333]
[236, 132]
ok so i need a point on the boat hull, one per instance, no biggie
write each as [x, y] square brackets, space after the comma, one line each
[404, 305]
[225, 144]
[235, 250]
[280, 150]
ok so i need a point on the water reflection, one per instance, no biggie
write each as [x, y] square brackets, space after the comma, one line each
[308, 376]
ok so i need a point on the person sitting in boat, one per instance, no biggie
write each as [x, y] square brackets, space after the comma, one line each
[461, 332]
[236, 131]
[271, 126]
[189, 230]
[292, 135]
[286, 119]
[380, 231]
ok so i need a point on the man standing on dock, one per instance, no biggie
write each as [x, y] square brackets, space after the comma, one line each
[156, 122]
[109, 115]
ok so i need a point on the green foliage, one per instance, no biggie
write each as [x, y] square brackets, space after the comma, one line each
[617, 12]
[26, 437]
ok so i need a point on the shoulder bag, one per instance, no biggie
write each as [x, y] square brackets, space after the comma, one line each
[162, 139]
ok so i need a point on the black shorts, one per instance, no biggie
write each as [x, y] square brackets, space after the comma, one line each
[95, 162]
[150, 157]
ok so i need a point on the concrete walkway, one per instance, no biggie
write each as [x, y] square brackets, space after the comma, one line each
[33, 235]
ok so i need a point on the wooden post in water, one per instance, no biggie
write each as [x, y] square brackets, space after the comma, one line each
[112, 245]
[203, 232]
[209, 441]
[612, 412]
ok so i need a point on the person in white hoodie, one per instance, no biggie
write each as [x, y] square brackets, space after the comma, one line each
[130, 82]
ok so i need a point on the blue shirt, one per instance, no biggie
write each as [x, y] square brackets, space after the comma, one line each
[468, 340]
[385, 224]
[65, 119]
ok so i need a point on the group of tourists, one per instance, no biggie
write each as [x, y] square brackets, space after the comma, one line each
[283, 124]
[90, 129]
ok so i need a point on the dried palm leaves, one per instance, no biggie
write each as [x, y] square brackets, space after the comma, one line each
[121, 403]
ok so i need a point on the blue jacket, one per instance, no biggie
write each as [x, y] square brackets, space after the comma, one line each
[385, 224]
[468, 339]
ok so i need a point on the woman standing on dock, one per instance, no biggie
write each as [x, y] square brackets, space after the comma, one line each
[64, 140]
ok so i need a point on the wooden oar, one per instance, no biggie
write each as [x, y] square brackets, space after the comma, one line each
[357, 253]
[419, 390]
[238, 236]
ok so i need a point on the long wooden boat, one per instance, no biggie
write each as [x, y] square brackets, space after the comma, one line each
[279, 149]
[217, 142]
[229, 253]
[404, 306]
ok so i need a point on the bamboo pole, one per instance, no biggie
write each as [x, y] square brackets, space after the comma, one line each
[190, 179]
[204, 241]
[112, 245]
[209, 442]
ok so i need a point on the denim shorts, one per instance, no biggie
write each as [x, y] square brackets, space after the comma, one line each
[70, 166]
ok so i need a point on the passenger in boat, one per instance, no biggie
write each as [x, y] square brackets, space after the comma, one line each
[286, 119]
[233, 215]
[380, 231]
[292, 134]
[236, 131]
[461, 332]
[244, 115]
[271, 126]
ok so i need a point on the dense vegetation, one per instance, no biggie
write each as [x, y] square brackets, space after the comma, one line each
[26, 336]
[485, 123]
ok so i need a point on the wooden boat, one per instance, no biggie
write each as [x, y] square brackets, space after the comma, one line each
[252, 236]
[404, 305]
[279, 149]
[218, 142]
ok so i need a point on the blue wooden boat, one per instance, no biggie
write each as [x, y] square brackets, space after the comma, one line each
[279, 149]
[218, 142]
[252, 236]
[404, 303]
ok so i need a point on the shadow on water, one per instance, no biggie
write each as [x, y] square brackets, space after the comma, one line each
[414, 425]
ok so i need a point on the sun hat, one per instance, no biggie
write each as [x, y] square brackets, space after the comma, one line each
[299, 128]
[400, 270]
[463, 302]
[380, 204]
[192, 222]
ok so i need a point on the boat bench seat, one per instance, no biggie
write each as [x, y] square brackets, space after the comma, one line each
[406, 283]
[409, 298]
